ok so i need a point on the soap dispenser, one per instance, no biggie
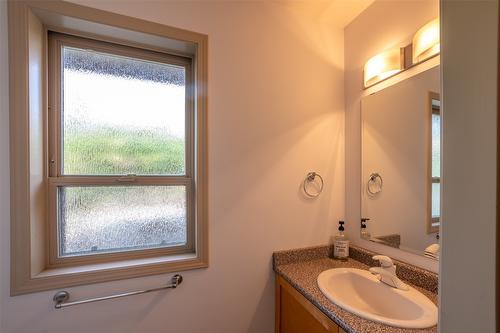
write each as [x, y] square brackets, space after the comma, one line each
[364, 233]
[341, 244]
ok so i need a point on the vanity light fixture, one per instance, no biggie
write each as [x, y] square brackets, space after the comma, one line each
[382, 66]
[426, 41]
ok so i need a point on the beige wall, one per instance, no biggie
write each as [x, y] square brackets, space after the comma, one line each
[4, 170]
[470, 56]
[396, 124]
[383, 25]
[275, 113]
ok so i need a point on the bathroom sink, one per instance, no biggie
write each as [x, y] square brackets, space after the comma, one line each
[360, 292]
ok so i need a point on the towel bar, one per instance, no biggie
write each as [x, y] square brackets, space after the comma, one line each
[61, 297]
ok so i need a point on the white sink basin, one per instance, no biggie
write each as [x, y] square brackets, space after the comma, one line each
[360, 292]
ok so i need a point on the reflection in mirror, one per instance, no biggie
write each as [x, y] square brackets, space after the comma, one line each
[401, 171]
[435, 104]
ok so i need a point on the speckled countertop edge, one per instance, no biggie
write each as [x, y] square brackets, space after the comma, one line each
[301, 268]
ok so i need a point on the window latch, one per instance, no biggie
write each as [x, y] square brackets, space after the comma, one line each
[127, 178]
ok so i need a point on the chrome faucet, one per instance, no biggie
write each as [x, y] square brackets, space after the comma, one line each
[387, 273]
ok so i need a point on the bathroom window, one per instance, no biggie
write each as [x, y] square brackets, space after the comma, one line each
[108, 147]
[121, 152]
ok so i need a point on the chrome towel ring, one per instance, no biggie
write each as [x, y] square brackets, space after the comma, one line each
[375, 183]
[310, 179]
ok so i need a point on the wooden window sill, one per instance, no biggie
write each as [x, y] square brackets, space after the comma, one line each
[55, 278]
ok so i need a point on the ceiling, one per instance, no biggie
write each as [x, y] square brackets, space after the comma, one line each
[344, 11]
[338, 13]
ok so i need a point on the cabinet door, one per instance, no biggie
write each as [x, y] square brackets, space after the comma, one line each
[295, 314]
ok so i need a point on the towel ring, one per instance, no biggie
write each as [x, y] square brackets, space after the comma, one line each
[375, 180]
[310, 178]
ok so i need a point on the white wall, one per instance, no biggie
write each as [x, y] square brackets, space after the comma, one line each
[396, 135]
[470, 55]
[383, 25]
[4, 169]
[275, 113]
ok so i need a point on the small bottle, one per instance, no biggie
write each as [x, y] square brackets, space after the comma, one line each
[341, 244]
[364, 233]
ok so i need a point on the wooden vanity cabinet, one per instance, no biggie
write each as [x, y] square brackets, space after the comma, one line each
[295, 314]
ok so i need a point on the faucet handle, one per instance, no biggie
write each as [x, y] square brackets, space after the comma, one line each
[389, 278]
[385, 261]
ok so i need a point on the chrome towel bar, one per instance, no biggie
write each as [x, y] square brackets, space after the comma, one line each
[61, 297]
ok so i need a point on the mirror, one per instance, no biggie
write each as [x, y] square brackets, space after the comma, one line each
[401, 174]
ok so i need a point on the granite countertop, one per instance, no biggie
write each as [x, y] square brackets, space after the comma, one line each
[301, 268]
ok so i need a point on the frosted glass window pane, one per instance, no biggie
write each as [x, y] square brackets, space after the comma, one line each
[436, 199]
[436, 145]
[121, 115]
[119, 218]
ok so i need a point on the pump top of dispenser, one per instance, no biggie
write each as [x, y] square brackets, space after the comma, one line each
[341, 225]
[363, 222]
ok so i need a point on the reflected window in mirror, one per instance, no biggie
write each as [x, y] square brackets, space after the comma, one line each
[435, 162]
